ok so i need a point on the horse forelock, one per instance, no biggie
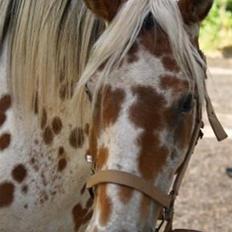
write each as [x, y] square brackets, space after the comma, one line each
[121, 34]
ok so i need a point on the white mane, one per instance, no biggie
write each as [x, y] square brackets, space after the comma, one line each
[49, 44]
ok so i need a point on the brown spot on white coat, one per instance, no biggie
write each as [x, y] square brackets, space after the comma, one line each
[2, 118]
[24, 189]
[125, 194]
[76, 138]
[104, 204]
[5, 103]
[61, 151]
[6, 194]
[148, 113]
[62, 164]
[57, 125]
[19, 173]
[102, 157]
[4, 141]
[48, 136]
[155, 41]
[111, 103]
[80, 215]
[176, 85]
[170, 64]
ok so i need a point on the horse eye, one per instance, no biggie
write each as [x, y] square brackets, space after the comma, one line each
[186, 103]
[149, 22]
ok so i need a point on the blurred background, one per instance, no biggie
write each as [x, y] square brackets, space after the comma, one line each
[216, 32]
[205, 201]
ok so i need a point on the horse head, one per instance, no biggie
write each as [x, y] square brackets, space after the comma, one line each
[147, 90]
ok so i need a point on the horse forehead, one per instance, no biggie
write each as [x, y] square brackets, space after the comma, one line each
[151, 79]
[147, 62]
[149, 72]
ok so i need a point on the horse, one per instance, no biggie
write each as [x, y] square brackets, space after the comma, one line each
[110, 87]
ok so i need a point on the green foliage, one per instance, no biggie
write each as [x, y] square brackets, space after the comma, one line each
[216, 31]
[229, 5]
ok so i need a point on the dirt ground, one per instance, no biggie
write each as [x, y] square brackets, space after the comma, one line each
[205, 200]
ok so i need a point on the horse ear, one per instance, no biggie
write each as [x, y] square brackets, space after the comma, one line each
[194, 11]
[105, 9]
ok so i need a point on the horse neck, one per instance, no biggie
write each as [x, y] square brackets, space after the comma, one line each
[43, 165]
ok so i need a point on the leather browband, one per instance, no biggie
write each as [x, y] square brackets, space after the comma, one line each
[132, 181]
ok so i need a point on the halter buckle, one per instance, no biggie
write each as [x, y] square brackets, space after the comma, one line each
[89, 158]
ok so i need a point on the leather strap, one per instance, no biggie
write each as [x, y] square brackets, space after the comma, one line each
[214, 122]
[132, 181]
[168, 227]
[182, 170]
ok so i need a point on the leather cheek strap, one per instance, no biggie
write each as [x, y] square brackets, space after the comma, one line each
[131, 181]
[214, 122]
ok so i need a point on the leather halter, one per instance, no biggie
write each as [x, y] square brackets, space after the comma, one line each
[165, 200]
